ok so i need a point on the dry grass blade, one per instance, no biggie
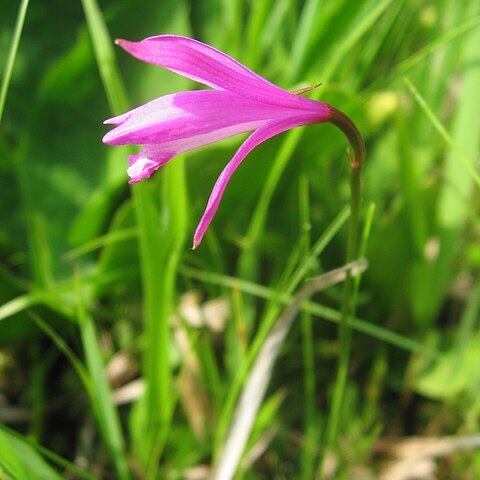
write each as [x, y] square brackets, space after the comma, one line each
[415, 457]
[129, 393]
[193, 394]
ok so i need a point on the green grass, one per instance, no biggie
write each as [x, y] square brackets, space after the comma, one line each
[103, 372]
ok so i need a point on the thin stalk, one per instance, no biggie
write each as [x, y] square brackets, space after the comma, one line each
[340, 120]
[348, 310]
[22, 13]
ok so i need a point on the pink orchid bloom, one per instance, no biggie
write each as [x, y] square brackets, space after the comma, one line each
[240, 101]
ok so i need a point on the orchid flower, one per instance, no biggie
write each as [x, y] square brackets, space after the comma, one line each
[240, 101]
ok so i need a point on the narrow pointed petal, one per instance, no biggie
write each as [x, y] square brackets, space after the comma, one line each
[207, 65]
[269, 130]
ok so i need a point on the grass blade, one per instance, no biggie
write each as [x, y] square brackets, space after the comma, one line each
[22, 13]
[105, 56]
[100, 393]
[460, 154]
[14, 439]
[20, 461]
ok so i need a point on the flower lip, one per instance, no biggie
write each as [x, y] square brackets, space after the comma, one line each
[140, 169]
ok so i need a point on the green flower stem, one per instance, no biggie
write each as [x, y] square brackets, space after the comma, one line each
[340, 120]
[348, 308]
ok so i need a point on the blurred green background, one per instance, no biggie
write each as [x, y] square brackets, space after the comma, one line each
[123, 353]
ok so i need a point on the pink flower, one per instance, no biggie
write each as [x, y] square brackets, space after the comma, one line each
[240, 101]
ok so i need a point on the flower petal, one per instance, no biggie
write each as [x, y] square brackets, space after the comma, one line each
[207, 65]
[269, 130]
[195, 118]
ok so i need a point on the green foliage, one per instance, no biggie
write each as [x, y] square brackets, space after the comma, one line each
[123, 353]
[19, 460]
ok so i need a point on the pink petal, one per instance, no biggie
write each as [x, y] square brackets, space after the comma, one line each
[191, 119]
[270, 129]
[205, 64]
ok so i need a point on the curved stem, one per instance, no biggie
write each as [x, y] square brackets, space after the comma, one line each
[340, 120]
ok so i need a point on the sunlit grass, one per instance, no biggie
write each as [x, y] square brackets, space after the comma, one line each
[123, 354]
